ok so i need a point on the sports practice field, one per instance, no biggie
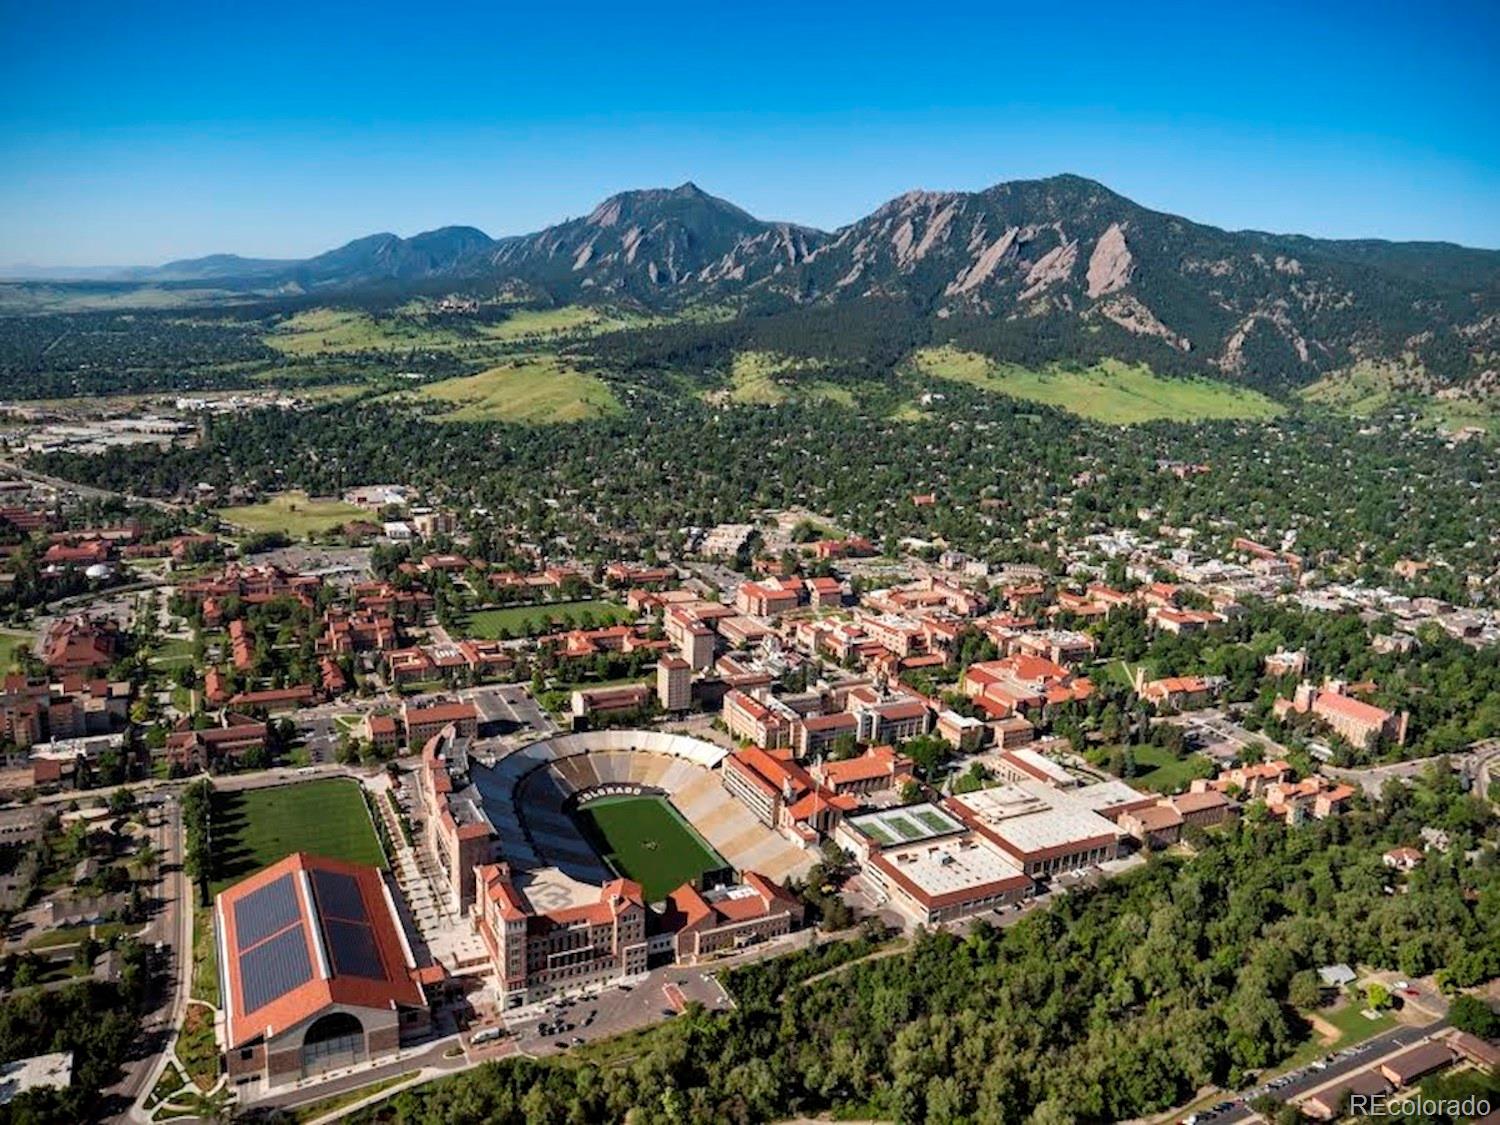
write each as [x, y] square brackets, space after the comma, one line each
[542, 618]
[256, 827]
[646, 839]
[294, 513]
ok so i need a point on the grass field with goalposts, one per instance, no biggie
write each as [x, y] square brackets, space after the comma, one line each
[646, 839]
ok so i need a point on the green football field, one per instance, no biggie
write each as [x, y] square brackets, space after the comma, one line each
[256, 827]
[646, 839]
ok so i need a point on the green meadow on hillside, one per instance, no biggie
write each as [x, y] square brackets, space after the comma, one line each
[537, 389]
[761, 378]
[1113, 392]
[1368, 388]
[324, 331]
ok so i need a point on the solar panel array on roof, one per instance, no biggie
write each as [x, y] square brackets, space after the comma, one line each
[338, 895]
[264, 911]
[274, 967]
[353, 950]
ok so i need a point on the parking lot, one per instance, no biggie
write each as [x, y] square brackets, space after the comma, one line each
[1215, 733]
[573, 1022]
[1313, 1076]
[508, 709]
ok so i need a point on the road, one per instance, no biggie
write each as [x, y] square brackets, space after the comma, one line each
[1482, 760]
[426, 1058]
[172, 927]
[1297, 1083]
[1477, 764]
[260, 779]
[613, 1010]
[81, 489]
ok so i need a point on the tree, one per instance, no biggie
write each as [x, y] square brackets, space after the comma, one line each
[1471, 1014]
[843, 746]
[197, 811]
[122, 802]
[147, 860]
[1305, 991]
[928, 753]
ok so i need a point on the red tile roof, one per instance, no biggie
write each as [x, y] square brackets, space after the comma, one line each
[440, 713]
[395, 986]
[877, 762]
[1350, 708]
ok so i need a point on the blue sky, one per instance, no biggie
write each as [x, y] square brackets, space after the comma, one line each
[137, 133]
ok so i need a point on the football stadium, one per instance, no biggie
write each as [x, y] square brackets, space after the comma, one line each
[580, 810]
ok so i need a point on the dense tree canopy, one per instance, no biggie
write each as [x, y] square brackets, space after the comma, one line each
[1110, 1004]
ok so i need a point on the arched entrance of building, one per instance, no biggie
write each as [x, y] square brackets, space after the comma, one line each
[337, 1039]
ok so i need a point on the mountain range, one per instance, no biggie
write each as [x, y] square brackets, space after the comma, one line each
[1060, 264]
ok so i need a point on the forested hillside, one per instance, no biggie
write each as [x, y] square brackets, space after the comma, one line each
[1026, 271]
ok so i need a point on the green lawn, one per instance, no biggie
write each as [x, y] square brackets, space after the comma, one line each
[1162, 773]
[294, 513]
[256, 827]
[1352, 1027]
[169, 1083]
[172, 651]
[537, 390]
[13, 645]
[646, 839]
[1120, 672]
[1352, 1024]
[205, 983]
[72, 935]
[314, 1110]
[196, 1048]
[488, 623]
[1110, 391]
